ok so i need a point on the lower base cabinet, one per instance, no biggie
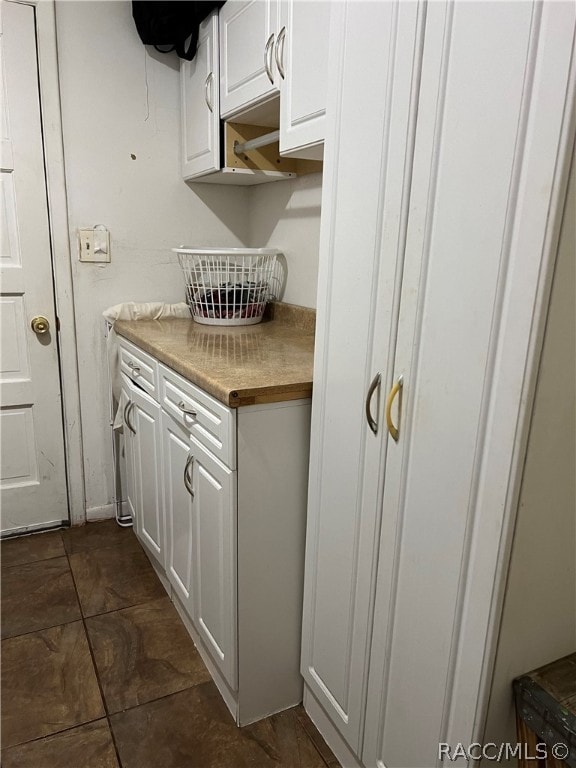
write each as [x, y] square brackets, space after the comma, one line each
[219, 502]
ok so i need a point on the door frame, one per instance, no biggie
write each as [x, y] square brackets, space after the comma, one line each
[49, 89]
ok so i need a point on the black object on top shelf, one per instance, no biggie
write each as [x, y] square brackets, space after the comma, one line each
[172, 25]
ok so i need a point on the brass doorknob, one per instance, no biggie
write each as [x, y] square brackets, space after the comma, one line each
[40, 324]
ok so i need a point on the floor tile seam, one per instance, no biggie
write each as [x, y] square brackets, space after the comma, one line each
[113, 737]
[43, 629]
[31, 562]
[90, 650]
[124, 607]
[164, 696]
[55, 733]
[35, 562]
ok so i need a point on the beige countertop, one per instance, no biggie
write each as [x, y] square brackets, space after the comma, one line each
[238, 365]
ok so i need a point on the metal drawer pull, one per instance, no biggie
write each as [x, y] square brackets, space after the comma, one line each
[268, 58]
[371, 389]
[188, 411]
[187, 475]
[135, 368]
[279, 55]
[208, 85]
[397, 388]
[127, 412]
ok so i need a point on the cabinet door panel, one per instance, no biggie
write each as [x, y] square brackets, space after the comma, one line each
[177, 510]
[245, 28]
[214, 558]
[303, 53]
[200, 110]
[346, 456]
[145, 417]
[468, 294]
[129, 453]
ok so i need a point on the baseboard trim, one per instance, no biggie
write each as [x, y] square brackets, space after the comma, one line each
[105, 512]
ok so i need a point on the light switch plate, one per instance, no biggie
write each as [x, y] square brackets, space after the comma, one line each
[94, 245]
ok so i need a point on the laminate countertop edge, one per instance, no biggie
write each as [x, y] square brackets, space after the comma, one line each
[269, 362]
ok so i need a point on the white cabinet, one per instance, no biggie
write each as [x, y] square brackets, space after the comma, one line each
[220, 504]
[178, 510]
[213, 486]
[129, 459]
[200, 513]
[199, 104]
[142, 453]
[145, 420]
[301, 58]
[407, 539]
[248, 30]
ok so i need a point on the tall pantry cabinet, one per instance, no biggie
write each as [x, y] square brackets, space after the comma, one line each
[445, 168]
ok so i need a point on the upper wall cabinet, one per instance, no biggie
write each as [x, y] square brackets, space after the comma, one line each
[261, 65]
[200, 112]
[301, 58]
[248, 31]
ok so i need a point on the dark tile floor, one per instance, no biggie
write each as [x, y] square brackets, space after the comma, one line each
[98, 670]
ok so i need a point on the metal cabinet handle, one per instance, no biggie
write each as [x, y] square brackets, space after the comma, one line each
[397, 388]
[187, 475]
[371, 389]
[127, 411]
[268, 58]
[279, 54]
[208, 85]
[135, 368]
[188, 411]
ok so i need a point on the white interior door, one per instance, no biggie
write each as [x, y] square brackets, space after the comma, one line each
[32, 480]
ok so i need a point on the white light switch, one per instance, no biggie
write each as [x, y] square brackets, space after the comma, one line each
[94, 244]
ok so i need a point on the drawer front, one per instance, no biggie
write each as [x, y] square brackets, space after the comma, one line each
[210, 422]
[140, 367]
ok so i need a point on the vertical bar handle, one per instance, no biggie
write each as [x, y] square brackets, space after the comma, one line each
[127, 411]
[371, 389]
[209, 84]
[279, 53]
[187, 480]
[268, 58]
[397, 388]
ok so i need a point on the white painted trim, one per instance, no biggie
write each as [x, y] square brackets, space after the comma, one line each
[527, 287]
[567, 147]
[105, 512]
[61, 264]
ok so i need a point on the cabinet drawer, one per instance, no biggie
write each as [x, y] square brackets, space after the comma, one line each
[139, 367]
[210, 422]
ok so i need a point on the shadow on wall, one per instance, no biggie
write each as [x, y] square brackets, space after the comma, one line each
[213, 197]
[171, 59]
[272, 204]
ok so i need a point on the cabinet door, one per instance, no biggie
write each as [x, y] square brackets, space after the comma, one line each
[302, 62]
[145, 418]
[360, 249]
[200, 110]
[214, 558]
[247, 68]
[178, 509]
[475, 256]
[129, 457]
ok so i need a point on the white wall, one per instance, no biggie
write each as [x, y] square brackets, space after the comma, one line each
[286, 215]
[118, 100]
[539, 618]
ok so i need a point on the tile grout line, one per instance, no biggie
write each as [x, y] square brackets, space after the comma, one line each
[95, 666]
[55, 733]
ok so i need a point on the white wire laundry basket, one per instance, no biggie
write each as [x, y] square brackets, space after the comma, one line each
[228, 286]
